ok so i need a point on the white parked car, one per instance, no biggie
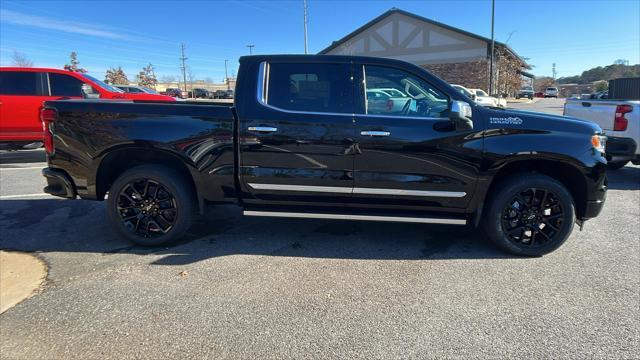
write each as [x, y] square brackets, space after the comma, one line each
[482, 97]
[551, 92]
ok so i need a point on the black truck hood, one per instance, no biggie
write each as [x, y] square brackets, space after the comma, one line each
[540, 121]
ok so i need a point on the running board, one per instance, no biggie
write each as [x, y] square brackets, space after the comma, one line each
[424, 220]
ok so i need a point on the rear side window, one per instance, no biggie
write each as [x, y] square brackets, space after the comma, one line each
[18, 83]
[65, 85]
[311, 87]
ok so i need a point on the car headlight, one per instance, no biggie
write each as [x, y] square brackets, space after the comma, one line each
[598, 143]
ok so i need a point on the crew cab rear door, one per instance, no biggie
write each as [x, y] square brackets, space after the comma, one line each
[21, 96]
[410, 158]
[296, 143]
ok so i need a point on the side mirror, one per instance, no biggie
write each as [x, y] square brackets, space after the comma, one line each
[89, 93]
[461, 115]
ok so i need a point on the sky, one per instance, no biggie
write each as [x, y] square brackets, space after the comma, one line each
[575, 35]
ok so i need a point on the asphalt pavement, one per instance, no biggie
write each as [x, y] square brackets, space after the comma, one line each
[280, 288]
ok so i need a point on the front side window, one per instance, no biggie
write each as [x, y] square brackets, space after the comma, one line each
[312, 87]
[18, 83]
[65, 85]
[395, 92]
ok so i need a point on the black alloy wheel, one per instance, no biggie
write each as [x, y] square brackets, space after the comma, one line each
[147, 208]
[151, 205]
[532, 217]
[529, 214]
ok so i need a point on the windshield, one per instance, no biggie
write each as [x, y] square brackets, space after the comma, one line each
[462, 90]
[552, 89]
[481, 93]
[527, 88]
[149, 91]
[103, 84]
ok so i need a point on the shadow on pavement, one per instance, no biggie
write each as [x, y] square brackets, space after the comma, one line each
[52, 225]
[627, 178]
[22, 156]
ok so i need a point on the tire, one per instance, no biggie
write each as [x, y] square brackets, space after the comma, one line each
[616, 165]
[546, 232]
[151, 205]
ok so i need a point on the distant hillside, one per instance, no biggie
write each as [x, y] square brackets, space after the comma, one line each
[602, 73]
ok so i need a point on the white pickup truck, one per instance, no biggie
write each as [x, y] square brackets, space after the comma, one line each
[619, 119]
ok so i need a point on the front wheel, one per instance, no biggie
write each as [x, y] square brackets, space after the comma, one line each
[531, 215]
[151, 205]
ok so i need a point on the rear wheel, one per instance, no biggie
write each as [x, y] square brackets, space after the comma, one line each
[532, 215]
[151, 205]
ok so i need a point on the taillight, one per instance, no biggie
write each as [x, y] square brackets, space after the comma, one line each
[47, 117]
[619, 121]
[389, 104]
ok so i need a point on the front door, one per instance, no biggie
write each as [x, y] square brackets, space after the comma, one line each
[296, 149]
[409, 155]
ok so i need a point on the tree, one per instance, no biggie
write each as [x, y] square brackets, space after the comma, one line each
[74, 64]
[147, 77]
[20, 59]
[116, 76]
[541, 83]
[601, 85]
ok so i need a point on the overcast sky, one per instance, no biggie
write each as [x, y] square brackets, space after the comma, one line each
[576, 35]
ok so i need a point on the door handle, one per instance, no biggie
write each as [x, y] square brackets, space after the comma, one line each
[375, 133]
[262, 129]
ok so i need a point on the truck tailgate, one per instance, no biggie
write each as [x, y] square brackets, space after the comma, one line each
[597, 111]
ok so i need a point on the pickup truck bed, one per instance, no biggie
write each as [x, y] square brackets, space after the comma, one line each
[619, 120]
[299, 142]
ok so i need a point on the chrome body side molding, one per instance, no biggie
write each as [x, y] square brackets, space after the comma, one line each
[425, 220]
[358, 190]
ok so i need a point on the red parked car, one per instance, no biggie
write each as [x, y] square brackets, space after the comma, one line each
[23, 90]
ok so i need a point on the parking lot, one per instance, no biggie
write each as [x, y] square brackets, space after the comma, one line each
[281, 288]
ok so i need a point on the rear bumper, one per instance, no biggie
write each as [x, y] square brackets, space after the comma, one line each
[620, 149]
[59, 183]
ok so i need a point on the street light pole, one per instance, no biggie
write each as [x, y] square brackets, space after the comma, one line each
[226, 77]
[306, 48]
[493, 6]
[250, 46]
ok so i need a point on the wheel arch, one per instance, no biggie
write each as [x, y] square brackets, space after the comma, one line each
[569, 175]
[116, 161]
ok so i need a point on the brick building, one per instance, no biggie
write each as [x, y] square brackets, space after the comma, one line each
[455, 55]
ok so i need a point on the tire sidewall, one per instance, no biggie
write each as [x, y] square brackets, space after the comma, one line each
[509, 189]
[174, 183]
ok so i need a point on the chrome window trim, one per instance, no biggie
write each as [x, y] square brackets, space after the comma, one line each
[358, 190]
[425, 220]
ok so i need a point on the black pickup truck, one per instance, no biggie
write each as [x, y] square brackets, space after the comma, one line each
[303, 141]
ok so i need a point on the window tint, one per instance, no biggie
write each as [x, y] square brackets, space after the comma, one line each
[311, 87]
[64, 85]
[18, 83]
[398, 93]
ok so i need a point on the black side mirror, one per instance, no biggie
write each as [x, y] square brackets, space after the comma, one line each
[461, 115]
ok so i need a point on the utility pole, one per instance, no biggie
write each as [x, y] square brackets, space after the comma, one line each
[306, 48]
[226, 77]
[553, 70]
[493, 7]
[184, 67]
[250, 46]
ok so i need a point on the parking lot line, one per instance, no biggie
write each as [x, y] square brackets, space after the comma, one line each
[22, 168]
[2, 197]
